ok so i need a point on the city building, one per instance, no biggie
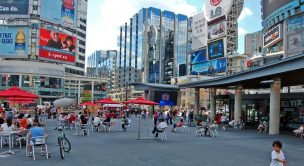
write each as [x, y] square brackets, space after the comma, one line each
[43, 49]
[253, 43]
[102, 64]
[152, 48]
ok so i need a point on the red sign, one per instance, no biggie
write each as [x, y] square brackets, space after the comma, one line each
[215, 2]
[57, 46]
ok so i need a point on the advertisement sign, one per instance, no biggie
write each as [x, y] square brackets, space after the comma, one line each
[57, 46]
[217, 8]
[296, 23]
[165, 98]
[210, 67]
[272, 36]
[14, 41]
[199, 56]
[199, 31]
[59, 11]
[14, 8]
[216, 49]
[270, 6]
[217, 30]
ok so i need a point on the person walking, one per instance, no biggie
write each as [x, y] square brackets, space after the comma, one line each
[277, 155]
[155, 118]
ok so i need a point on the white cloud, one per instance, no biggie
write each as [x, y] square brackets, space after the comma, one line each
[245, 13]
[103, 28]
[241, 31]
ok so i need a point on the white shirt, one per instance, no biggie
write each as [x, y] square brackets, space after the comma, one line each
[6, 128]
[275, 155]
[162, 125]
[30, 121]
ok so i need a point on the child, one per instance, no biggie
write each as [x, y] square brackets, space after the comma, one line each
[277, 155]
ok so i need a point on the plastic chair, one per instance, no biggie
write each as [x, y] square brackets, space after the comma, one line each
[85, 128]
[39, 143]
[162, 134]
[23, 136]
[199, 131]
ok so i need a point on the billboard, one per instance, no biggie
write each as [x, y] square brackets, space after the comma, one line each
[14, 41]
[56, 46]
[210, 67]
[216, 49]
[59, 11]
[165, 98]
[217, 30]
[199, 56]
[295, 23]
[217, 8]
[272, 36]
[199, 31]
[14, 8]
[295, 36]
[270, 6]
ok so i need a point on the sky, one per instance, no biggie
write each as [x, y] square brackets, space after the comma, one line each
[105, 17]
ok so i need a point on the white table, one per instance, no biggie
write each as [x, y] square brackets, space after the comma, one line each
[9, 134]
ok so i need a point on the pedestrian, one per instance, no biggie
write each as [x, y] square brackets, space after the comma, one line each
[155, 118]
[277, 155]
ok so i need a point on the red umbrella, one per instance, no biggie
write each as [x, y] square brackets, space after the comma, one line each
[140, 100]
[88, 104]
[17, 92]
[21, 102]
[107, 101]
[19, 99]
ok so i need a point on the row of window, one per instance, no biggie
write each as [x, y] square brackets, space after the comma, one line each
[80, 65]
[82, 50]
[73, 71]
[81, 57]
[81, 42]
[81, 34]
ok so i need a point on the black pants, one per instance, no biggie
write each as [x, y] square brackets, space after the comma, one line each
[155, 122]
[206, 130]
[156, 131]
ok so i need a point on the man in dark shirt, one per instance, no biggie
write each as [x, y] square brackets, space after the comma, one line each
[54, 41]
[2, 117]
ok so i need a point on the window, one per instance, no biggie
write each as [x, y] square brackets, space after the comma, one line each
[35, 7]
[82, 42]
[83, 20]
[81, 34]
[82, 58]
[81, 50]
[83, 27]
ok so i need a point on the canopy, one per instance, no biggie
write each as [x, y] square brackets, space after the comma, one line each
[21, 102]
[20, 99]
[107, 101]
[88, 104]
[17, 92]
[140, 100]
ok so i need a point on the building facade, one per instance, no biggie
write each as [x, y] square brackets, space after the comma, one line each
[253, 43]
[152, 47]
[43, 47]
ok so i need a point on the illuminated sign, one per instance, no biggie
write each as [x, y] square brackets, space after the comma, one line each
[273, 36]
[217, 8]
[216, 49]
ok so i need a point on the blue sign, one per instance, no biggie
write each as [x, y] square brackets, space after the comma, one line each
[210, 67]
[59, 11]
[14, 7]
[14, 42]
[216, 49]
[296, 23]
[199, 56]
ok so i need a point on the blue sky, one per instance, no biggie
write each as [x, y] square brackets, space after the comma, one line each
[105, 17]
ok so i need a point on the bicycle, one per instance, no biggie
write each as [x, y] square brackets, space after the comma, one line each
[63, 143]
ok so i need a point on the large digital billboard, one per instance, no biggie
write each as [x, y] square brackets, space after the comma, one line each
[217, 30]
[166, 98]
[210, 67]
[295, 36]
[295, 23]
[59, 11]
[14, 8]
[270, 6]
[216, 49]
[199, 56]
[272, 36]
[56, 46]
[199, 31]
[14, 41]
[217, 8]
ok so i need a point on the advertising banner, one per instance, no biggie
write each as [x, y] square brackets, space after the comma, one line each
[210, 67]
[216, 49]
[295, 36]
[57, 46]
[199, 31]
[295, 23]
[14, 8]
[14, 41]
[217, 8]
[59, 11]
[165, 98]
[273, 36]
[217, 30]
[199, 56]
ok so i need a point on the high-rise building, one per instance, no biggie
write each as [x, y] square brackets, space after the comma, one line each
[46, 49]
[152, 47]
[102, 64]
[253, 43]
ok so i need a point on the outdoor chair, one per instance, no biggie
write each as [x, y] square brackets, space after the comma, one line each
[185, 128]
[23, 136]
[199, 131]
[162, 134]
[40, 143]
[85, 128]
[213, 131]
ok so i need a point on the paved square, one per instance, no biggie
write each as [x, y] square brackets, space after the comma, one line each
[232, 148]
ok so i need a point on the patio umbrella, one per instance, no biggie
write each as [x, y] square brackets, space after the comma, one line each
[107, 101]
[16, 92]
[141, 101]
[88, 104]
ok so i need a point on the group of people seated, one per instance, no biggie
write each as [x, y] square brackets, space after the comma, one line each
[262, 126]
[206, 126]
[299, 132]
